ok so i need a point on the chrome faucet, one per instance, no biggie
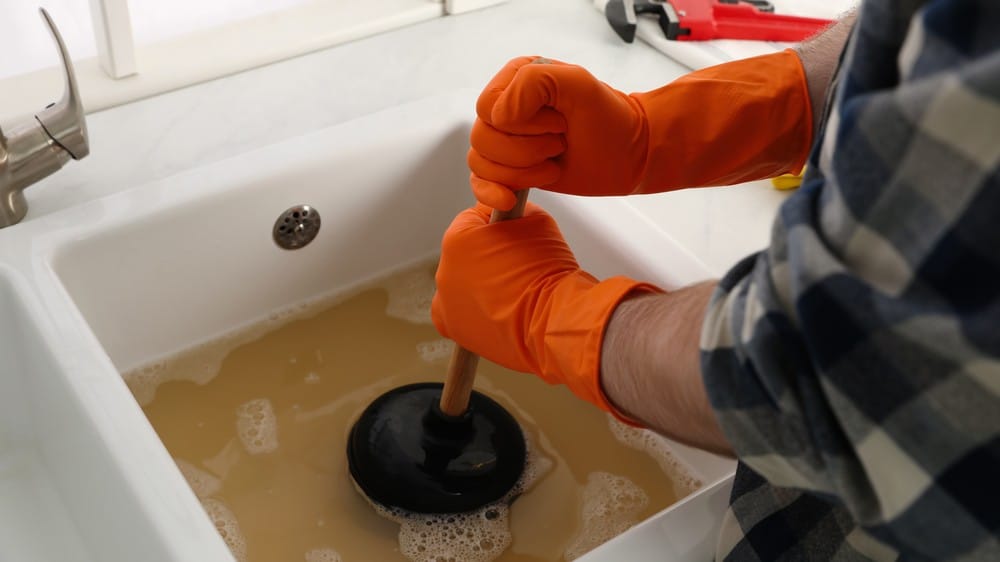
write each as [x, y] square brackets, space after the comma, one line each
[35, 146]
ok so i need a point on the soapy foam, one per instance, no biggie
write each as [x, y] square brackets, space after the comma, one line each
[202, 483]
[323, 555]
[480, 536]
[409, 292]
[257, 426]
[611, 505]
[410, 295]
[199, 365]
[227, 526]
[477, 536]
[142, 382]
[656, 447]
[434, 351]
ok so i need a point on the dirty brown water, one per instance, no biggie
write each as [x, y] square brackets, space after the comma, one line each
[258, 423]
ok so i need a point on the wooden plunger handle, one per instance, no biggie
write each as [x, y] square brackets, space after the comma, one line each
[462, 368]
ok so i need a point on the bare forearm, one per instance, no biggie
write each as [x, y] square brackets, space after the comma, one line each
[819, 57]
[650, 367]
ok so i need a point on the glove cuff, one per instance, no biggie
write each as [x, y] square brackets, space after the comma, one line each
[567, 344]
[739, 121]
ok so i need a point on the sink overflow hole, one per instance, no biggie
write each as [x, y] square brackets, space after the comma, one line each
[296, 227]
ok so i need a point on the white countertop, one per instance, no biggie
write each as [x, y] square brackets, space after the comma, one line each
[160, 136]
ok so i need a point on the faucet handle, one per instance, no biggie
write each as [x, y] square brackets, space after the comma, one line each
[64, 121]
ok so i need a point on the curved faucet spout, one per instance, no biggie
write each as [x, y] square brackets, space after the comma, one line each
[36, 146]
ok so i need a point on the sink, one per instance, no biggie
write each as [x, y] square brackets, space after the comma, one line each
[33, 450]
[62, 493]
[148, 272]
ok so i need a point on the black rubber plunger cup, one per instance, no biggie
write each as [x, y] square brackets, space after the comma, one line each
[433, 448]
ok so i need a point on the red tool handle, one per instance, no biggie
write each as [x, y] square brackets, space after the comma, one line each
[703, 20]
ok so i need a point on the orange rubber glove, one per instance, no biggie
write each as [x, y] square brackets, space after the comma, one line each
[556, 127]
[513, 293]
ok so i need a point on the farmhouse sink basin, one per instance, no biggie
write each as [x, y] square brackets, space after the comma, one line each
[33, 446]
[143, 274]
[63, 494]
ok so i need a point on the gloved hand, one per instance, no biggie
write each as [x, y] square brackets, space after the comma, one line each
[513, 293]
[556, 127]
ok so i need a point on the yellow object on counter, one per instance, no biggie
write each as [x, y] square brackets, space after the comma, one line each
[785, 182]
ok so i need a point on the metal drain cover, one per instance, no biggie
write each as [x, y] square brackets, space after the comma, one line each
[296, 227]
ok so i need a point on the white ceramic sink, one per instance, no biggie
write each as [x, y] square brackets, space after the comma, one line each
[63, 496]
[154, 270]
[32, 450]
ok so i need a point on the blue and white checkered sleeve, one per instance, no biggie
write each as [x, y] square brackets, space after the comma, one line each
[858, 357]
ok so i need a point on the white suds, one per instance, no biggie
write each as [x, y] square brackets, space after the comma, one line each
[225, 523]
[257, 426]
[202, 483]
[436, 350]
[410, 295]
[611, 505]
[657, 447]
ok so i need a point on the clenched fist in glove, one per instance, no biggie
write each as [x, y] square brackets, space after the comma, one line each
[556, 127]
[513, 293]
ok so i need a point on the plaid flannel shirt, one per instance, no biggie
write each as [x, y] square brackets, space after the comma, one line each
[855, 363]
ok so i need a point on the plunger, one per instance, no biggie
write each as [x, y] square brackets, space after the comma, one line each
[433, 448]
